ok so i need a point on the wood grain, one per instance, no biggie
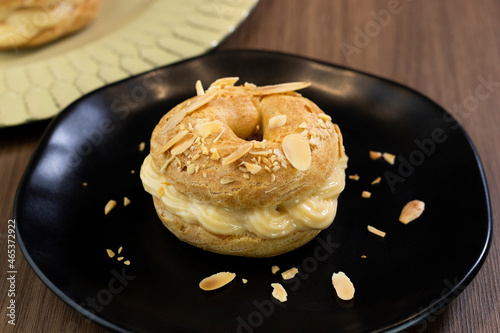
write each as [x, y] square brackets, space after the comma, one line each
[440, 48]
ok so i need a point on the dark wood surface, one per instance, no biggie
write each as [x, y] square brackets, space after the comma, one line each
[441, 48]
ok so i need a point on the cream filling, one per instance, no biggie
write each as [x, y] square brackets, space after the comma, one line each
[302, 214]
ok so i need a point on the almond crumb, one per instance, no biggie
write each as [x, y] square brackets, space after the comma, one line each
[375, 155]
[142, 145]
[84, 184]
[376, 181]
[127, 262]
[343, 286]
[411, 211]
[109, 206]
[366, 194]
[216, 281]
[375, 231]
[279, 292]
[111, 254]
[389, 158]
[289, 274]
[363, 256]
[354, 177]
[120, 249]
[119, 258]
[126, 201]
[244, 281]
[275, 269]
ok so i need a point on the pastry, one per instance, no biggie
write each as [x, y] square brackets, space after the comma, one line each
[28, 23]
[246, 170]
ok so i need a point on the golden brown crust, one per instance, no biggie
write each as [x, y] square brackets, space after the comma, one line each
[246, 245]
[28, 23]
[242, 113]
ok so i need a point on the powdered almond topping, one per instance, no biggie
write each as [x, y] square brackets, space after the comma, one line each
[297, 151]
[277, 121]
[411, 211]
[280, 88]
[389, 158]
[216, 281]
[182, 146]
[237, 154]
[279, 292]
[289, 274]
[109, 206]
[176, 138]
[205, 129]
[375, 231]
[343, 286]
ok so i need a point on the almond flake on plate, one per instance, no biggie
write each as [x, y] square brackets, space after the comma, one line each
[411, 211]
[279, 292]
[216, 280]
[343, 286]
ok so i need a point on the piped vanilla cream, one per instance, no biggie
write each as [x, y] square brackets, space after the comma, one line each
[301, 214]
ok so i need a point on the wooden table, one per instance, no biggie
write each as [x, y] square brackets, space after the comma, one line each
[440, 48]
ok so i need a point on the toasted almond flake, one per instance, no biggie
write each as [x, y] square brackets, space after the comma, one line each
[376, 181]
[183, 145]
[324, 116]
[142, 145]
[375, 155]
[411, 211]
[176, 138]
[199, 88]
[252, 168]
[174, 121]
[280, 88]
[109, 206]
[205, 129]
[375, 231]
[343, 286]
[227, 180]
[225, 81]
[297, 151]
[111, 254]
[237, 154]
[120, 258]
[199, 101]
[276, 168]
[127, 262]
[249, 85]
[191, 168]
[216, 280]
[389, 158]
[167, 162]
[244, 281]
[303, 125]
[275, 269]
[126, 201]
[279, 292]
[160, 192]
[354, 177]
[289, 274]
[277, 121]
[366, 194]
[259, 153]
[120, 249]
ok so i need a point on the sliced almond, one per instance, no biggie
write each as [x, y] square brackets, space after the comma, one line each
[389, 158]
[199, 88]
[303, 125]
[343, 286]
[375, 231]
[297, 151]
[277, 121]
[411, 211]
[375, 155]
[109, 206]
[176, 138]
[279, 292]
[366, 194]
[324, 116]
[252, 168]
[174, 121]
[167, 162]
[126, 201]
[225, 81]
[226, 180]
[280, 88]
[199, 101]
[110, 253]
[289, 274]
[205, 129]
[216, 281]
[237, 154]
[183, 145]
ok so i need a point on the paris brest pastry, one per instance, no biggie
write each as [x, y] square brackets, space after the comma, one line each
[246, 170]
[28, 23]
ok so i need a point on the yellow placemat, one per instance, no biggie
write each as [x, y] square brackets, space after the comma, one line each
[128, 37]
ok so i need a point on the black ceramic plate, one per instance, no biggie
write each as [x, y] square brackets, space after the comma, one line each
[414, 271]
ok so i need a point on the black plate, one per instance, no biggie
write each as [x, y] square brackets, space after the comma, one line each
[414, 271]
